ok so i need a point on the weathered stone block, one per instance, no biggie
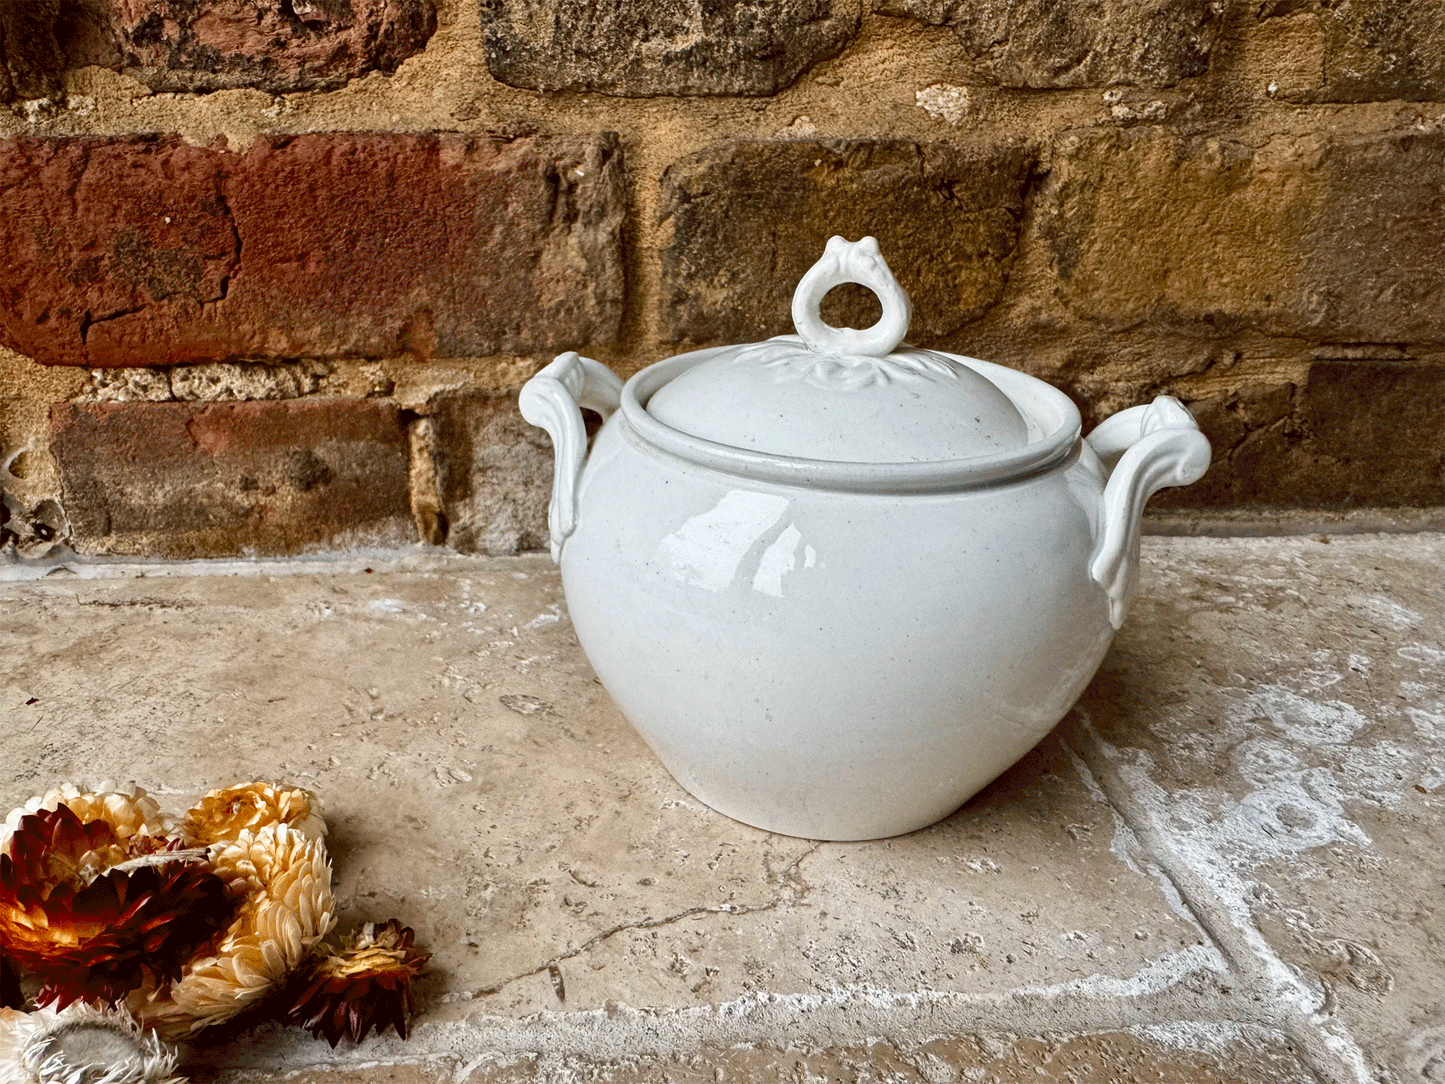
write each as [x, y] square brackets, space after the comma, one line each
[1259, 453]
[207, 480]
[190, 46]
[30, 57]
[1383, 51]
[1086, 43]
[493, 474]
[1316, 236]
[1355, 434]
[642, 48]
[1376, 433]
[749, 217]
[148, 251]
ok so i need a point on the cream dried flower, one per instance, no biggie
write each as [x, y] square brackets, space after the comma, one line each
[81, 1045]
[222, 815]
[282, 882]
[126, 807]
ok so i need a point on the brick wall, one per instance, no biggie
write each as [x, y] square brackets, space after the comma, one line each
[273, 272]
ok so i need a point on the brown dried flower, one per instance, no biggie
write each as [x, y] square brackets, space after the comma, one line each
[11, 996]
[363, 984]
[222, 815]
[95, 915]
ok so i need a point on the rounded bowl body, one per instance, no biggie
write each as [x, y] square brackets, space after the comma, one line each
[832, 664]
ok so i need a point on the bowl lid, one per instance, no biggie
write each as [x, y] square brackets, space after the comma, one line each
[843, 394]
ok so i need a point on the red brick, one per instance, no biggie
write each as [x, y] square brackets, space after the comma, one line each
[218, 479]
[205, 45]
[145, 250]
[94, 229]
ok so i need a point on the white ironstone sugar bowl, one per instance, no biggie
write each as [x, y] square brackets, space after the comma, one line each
[839, 584]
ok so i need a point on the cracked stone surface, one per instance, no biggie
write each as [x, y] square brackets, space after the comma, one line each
[1223, 866]
[1304, 783]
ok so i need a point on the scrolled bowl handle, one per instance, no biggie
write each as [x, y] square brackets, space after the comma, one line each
[1144, 449]
[553, 400]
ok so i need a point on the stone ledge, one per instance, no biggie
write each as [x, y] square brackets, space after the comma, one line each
[1156, 1055]
[1247, 784]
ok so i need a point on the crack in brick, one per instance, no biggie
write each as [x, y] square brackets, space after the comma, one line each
[167, 231]
[88, 321]
[224, 286]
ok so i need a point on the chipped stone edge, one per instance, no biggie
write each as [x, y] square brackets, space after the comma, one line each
[416, 559]
[1285, 522]
[847, 1016]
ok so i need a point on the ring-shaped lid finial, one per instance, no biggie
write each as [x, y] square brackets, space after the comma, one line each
[860, 262]
[839, 395]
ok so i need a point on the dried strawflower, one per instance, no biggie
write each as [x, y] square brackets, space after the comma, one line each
[96, 914]
[222, 815]
[128, 809]
[80, 1045]
[281, 882]
[364, 983]
[102, 901]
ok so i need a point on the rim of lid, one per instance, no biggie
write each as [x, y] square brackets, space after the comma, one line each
[1052, 418]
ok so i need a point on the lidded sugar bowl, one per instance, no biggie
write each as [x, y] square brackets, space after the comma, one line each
[838, 583]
